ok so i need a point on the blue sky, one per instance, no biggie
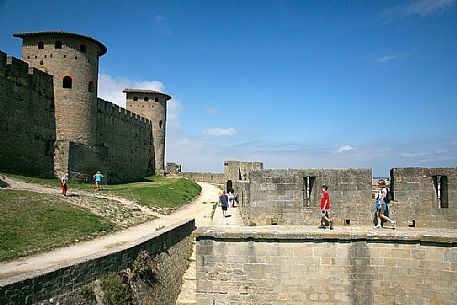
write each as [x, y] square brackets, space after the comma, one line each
[291, 83]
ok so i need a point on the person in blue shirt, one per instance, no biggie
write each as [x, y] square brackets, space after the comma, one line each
[381, 206]
[98, 181]
[223, 199]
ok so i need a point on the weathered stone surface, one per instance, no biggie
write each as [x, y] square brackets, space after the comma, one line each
[170, 248]
[27, 125]
[299, 265]
[416, 197]
[280, 196]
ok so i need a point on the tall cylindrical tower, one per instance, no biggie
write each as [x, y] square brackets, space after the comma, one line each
[152, 105]
[72, 59]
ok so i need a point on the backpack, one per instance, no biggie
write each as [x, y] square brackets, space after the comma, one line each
[388, 197]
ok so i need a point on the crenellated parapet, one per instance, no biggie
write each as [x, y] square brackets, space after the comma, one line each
[112, 110]
[20, 73]
[27, 119]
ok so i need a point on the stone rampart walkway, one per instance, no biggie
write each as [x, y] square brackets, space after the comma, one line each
[188, 294]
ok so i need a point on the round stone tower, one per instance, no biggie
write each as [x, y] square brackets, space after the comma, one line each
[72, 59]
[152, 105]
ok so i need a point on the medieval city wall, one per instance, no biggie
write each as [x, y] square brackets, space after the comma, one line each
[124, 141]
[239, 170]
[213, 178]
[423, 201]
[170, 248]
[292, 196]
[27, 123]
[291, 265]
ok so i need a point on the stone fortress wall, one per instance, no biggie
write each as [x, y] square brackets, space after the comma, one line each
[293, 197]
[170, 248]
[27, 126]
[84, 134]
[423, 197]
[294, 266]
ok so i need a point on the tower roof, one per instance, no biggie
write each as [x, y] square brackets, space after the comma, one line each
[102, 47]
[131, 90]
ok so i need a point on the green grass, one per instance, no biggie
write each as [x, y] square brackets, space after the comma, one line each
[158, 191]
[31, 222]
[152, 192]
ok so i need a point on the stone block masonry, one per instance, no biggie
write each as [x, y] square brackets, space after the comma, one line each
[171, 248]
[292, 196]
[425, 197]
[295, 266]
[27, 124]
[125, 143]
[213, 178]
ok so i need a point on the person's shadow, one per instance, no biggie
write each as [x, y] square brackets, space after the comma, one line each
[228, 216]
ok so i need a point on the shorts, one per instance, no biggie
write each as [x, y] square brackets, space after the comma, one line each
[324, 213]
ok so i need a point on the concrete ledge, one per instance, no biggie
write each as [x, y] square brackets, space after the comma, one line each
[437, 237]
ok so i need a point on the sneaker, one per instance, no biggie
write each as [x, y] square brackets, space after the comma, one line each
[394, 224]
[322, 226]
[331, 225]
[378, 227]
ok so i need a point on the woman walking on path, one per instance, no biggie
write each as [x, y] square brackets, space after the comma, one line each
[380, 209]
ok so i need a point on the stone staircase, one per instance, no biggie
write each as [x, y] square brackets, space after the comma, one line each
[188, 295]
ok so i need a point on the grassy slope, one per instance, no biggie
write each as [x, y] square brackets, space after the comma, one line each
[151, 191]
[31, 222]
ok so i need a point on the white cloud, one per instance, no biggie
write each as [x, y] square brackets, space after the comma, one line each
[174, 107]
[220, 132]
[110, 88]
[345, 148]
[421, 8]
[389, 58]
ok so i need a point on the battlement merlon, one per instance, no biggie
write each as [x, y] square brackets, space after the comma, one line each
[146, 91]
[102, 47]
[20, 72]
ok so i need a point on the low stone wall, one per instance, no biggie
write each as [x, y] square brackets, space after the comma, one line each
[213, 178]
[296, 265]
[422, 200]
[171, 248]
[292, 196]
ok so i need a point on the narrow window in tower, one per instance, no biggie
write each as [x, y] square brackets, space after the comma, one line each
[160, 124]
[135, 98]
[40, 45]
[82, 48]
[156, 99]
[41, 62]
[91, 86]
[146, 99]
[67, 82]
[58, 44]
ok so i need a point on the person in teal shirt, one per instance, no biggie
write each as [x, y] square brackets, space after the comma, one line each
[98, 181]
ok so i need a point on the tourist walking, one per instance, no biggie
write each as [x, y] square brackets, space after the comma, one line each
[98, 181]
[381, 209]
[223, 199]
[325, 209]
[63, 184]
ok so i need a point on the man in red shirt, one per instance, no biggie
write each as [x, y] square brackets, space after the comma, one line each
[325, 207]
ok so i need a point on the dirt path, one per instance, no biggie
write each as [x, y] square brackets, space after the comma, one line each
[75, 195]
[200, 209]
